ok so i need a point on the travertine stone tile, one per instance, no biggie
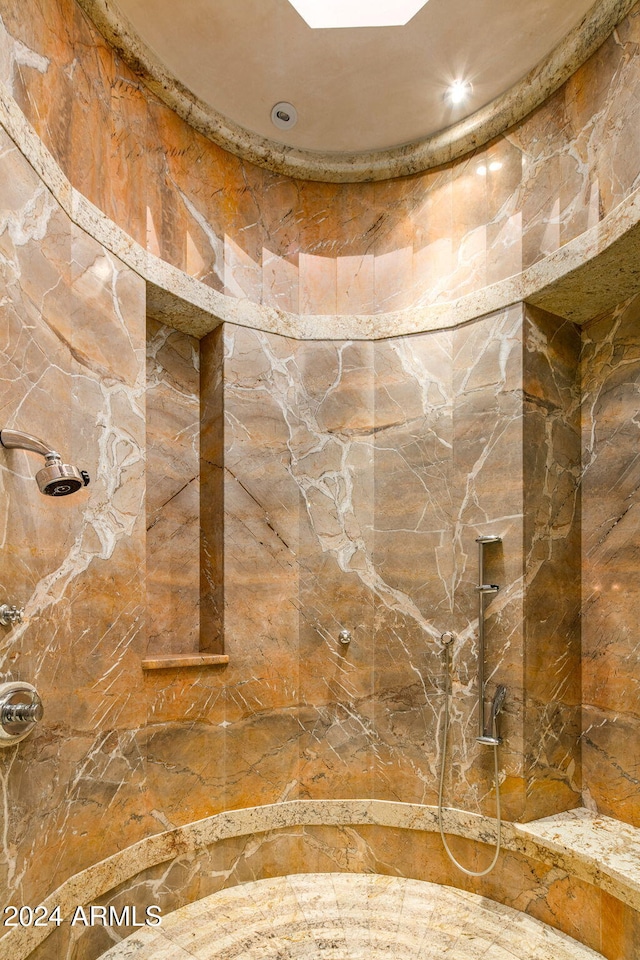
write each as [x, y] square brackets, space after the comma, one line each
[346, 917]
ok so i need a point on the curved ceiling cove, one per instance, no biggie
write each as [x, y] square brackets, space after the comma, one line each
[372, 101]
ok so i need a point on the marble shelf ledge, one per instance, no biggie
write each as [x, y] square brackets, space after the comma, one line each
[178, 661]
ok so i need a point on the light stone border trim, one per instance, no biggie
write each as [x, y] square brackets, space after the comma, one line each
[415, 157]
[599, 850]
[585, 277]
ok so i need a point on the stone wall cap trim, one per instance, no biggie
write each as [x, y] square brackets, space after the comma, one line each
[186, 304]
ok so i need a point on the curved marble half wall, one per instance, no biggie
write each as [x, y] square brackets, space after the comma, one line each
[583, 852]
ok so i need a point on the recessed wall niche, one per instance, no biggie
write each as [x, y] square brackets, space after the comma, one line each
[184, 557]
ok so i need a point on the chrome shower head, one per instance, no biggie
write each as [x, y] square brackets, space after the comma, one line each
[59, 479]
[56, 479]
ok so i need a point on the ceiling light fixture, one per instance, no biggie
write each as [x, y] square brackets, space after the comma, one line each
[284, 115]
[458, 92]
[330, 14]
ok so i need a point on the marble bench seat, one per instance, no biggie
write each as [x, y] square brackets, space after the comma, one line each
[598, 849]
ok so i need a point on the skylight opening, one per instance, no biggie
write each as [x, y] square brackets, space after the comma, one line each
[332, 14]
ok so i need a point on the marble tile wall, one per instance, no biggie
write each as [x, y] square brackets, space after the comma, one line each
[356, 479]
[552, 567]
[73, 372]
[610, 554]
[211, 510]
[315, 248]
[345, 466]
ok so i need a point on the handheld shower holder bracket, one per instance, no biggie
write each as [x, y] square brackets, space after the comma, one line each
[489, 741]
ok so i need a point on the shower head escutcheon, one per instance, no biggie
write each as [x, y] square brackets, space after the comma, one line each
[56, 479]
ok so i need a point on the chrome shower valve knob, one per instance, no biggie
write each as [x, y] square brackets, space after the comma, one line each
[10, 615]
[20, 709]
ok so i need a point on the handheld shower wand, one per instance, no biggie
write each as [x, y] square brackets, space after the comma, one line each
[56, 479]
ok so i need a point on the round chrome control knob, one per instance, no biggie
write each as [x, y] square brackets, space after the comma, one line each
[20, 709]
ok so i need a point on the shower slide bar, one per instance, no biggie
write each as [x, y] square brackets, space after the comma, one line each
[486, 733]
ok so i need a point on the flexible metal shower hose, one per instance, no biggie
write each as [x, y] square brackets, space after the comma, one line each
[470, 873]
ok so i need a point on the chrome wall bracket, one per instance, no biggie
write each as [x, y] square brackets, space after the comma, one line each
[20, 709]
[344, 637]
[10, 615]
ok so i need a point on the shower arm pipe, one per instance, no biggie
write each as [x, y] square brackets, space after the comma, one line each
[15, 440]
[482, 589]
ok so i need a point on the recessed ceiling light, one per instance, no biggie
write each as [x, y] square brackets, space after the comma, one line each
[459, 91]
[329, 14]
[284, 115]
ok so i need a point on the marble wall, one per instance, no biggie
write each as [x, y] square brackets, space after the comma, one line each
[311, 248]
[552, 530]
[611, 721]
[73, 373]
[350, 480]
[356, 479]
[544, 888]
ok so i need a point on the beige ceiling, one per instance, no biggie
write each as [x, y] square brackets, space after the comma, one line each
[354, 89]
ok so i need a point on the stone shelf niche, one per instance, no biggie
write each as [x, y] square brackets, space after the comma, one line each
[184, 563]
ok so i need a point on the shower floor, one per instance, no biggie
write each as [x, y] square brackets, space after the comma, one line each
[348, 917]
